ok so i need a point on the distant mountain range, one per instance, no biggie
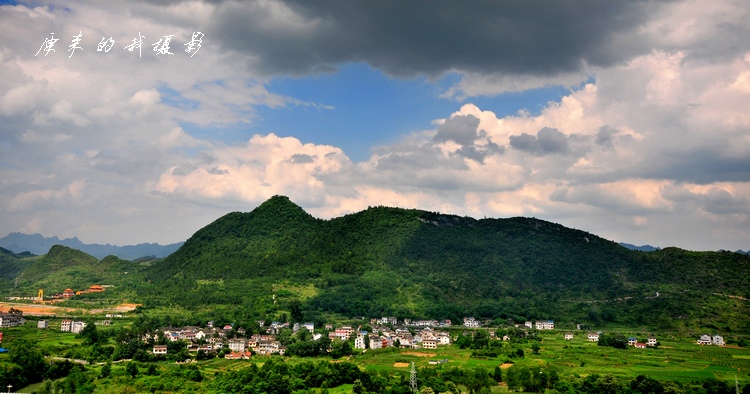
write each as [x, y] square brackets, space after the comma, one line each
[649, 248]
[38, 244]
[642, 248]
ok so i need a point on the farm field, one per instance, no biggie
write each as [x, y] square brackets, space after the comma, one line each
[676, 359]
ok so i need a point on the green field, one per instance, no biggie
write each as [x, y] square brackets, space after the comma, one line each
[676, 359]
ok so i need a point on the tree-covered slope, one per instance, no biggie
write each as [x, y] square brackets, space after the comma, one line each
[63, 267]
[414, 263]
[11, 266]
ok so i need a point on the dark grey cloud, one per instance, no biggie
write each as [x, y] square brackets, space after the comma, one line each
[606, 136]
[715, 200]
[461, 129]
[702, 166]
[478, 154]
[301, 158]
[430, 37]
[217, 171]
[464, 130]
[419, 158]
[547, 140]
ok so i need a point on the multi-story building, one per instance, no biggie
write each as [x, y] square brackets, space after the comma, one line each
[237, 345]
[545, 325]
[11, 320]
[359, 342]
[77, 326]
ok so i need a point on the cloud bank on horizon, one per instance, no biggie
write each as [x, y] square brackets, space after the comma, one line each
[626, 119]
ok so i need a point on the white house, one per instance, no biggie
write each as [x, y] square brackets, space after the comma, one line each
[527, 324]
[309, 326]
[376, 342]
[704, 340]
[359, 342]
[160, 349]
[237, 345]
[651, 341]
[545, 325]
[341, 334]
[593, 337]
[471, 322]
[270, 347]
[77, 326]
[717, 340]
[429, 343]
[568, 336]
[42, 324]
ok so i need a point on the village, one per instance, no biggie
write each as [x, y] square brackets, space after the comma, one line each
[387, 332]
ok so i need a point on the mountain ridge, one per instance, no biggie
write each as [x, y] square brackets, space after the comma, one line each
[412, 263]
[38, 244]
[279, 262]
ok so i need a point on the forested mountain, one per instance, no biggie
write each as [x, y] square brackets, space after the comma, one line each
[12, 264]
[38, 244]
[412, 263]
[63, 267]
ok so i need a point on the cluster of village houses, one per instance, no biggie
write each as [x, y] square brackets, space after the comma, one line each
[212, 339]
[386, 332]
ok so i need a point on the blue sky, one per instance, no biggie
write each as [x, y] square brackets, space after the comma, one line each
[625, 119]
[358, 107]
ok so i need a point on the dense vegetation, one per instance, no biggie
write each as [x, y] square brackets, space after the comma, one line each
[417, 264]
[278, 262]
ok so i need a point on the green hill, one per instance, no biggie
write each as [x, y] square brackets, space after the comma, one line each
[11, 265]
[63, 267]
[411, 263]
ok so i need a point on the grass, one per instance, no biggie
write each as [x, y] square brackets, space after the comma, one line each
[677, 359]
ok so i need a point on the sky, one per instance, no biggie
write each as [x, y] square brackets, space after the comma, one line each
[629, 120]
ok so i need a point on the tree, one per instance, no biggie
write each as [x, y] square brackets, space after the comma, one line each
[295, 307]
[106, 370]
[535, 348]
[645, 385]
[614, 340]
[609, 384]
[29, 357]
[513, 378]
[358, 387]
[497, 374]
[463, 341]
[89, 334]
[478, 379]
[340, 349]
[304, 334]
[131, 369]
[481, 339]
